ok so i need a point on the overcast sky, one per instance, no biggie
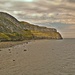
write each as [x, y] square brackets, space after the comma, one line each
[59, 14]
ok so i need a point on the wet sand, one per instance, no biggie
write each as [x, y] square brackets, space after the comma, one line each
[40, 57]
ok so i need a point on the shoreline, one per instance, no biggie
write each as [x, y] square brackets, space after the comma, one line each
[8, 44]
[12, 43]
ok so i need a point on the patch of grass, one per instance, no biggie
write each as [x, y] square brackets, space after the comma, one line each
[27, 34]
[45, 35]
[4, 37]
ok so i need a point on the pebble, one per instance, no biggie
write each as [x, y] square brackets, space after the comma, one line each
[9, 49]
[0, 50]
[25, 50]
[13, 60]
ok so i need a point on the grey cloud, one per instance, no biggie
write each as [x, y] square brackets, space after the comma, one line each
[42, 12]
[71, 1]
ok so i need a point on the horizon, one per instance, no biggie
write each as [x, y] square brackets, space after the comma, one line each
[58, 14]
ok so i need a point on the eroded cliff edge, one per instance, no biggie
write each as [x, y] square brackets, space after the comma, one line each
[40, 32]
[12, 30]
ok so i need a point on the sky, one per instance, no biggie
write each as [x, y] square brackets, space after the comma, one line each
[59, 14]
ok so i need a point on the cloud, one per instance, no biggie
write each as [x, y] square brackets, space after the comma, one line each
[25, 0]
[72, 1]
[59, 13]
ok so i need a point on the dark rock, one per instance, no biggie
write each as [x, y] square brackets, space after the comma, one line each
[0, 50]
[13, 60]
[9, 49]
[25, 50]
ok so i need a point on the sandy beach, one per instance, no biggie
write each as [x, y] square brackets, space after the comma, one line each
[40, 57]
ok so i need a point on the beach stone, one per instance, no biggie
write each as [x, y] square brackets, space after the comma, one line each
[13, 60]
[25, 50]
[9, 49]
[0, 50]
[9, 52]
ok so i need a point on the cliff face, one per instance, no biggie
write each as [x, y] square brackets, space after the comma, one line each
[41, 32]
[28, 26]
[8, 23]
[12, 29]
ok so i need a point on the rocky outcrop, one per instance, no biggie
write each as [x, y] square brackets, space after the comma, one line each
[12, 29]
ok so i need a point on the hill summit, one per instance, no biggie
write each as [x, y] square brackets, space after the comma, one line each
[13, 30]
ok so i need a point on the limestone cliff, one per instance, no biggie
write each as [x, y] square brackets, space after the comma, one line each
[12, 29]
[41, 32]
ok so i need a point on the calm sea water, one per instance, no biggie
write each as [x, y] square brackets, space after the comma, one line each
[52, 57]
